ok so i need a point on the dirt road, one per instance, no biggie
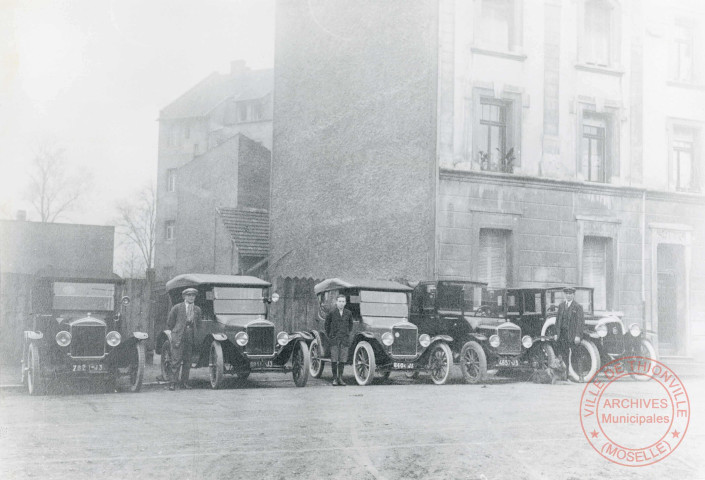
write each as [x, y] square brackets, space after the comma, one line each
[266, 428]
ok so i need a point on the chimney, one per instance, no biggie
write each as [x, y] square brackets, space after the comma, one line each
[21, 215]
[238, 67]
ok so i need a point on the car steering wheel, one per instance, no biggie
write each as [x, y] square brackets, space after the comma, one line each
[482, 311]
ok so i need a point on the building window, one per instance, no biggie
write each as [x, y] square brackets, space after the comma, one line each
[595, 269]
[594, 151]
[169, 228]
[498, 24]
[171, 180]
[496, 133]
[683, 45]
[683, 162]
[494, 254]
[599, 33]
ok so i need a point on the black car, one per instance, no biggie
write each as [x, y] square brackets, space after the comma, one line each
[76, 332]
[235, 335]
[475, 318]
[383, 340]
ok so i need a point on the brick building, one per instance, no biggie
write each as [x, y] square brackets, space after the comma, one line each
[213, 175]
[518, 143]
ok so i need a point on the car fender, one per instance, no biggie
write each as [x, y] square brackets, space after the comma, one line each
[549, 322]
[306, 336]
[161, 338]
[140, 335]
[437, 338]
[219, 337]
[478, 337]
[30, 335]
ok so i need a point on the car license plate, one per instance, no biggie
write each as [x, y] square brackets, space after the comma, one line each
[88, 367]
[403, 366]
[261, 363]
[508, 362]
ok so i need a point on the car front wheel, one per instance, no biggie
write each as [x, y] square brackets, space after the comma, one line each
[216, 366]
[584, 361]
[316, 365]
[300, 363]
[136, 368]
[473, 362]
[643, 349]
[35, 380]
[440, 363]
[364, 363]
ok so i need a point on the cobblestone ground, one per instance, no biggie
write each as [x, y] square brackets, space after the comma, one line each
[266, 428]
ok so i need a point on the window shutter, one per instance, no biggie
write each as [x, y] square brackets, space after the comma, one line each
[493, 258]
[595, 269]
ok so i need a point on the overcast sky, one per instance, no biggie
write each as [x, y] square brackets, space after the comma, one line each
[92, 75]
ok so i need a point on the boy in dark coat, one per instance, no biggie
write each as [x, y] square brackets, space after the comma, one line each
[339, 324]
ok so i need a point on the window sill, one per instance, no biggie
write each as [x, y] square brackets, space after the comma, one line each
[499, 53]
[616, 72]
[682, 84]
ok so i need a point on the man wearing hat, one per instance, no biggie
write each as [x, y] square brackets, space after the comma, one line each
[570, 324]
[182, 318]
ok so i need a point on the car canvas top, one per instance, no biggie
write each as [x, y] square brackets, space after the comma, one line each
[337, 283]
[194, 279]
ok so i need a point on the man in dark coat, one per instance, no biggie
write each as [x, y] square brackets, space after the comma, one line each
[181, 321]
[339, 324]
[570, 324]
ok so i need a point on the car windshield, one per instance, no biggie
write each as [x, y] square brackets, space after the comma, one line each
[239, 300]
[582, 295]
[457, 297]
[84, 296]
[382, 304]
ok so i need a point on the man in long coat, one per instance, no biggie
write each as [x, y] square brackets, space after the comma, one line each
[570, 324]
[339, 324]
[181, 321]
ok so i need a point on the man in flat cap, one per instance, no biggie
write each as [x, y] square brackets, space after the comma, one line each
[182, 318]
[570, 324]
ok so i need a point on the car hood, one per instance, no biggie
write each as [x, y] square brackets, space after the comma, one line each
[241, 321]
[386, 322]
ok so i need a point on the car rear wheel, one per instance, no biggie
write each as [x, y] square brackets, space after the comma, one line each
[316, 365]
[541, 356]
[216, 366]
[644, 349]
[440, 363]
[473, 362]
[300, 363]
[584, 361]
[35, 380]
[165, 354]
[364, 363]
[136, 368]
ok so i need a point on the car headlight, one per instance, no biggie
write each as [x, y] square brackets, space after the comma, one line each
[527, 341]
[63, 338]
[241, 338]
[601, 330]
[635, 330]
[424, 340]
[388, 338]
[282, 338]
[494, 341]
[113, 338]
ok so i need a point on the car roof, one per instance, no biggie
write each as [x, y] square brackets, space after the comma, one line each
[339, 283]
[196, 279]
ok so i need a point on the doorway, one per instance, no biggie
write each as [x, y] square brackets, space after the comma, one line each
[671, 295]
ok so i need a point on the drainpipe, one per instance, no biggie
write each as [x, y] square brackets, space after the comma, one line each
[643, 260]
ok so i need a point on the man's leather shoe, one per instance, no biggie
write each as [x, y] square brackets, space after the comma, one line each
[172, 387]
[186, 386]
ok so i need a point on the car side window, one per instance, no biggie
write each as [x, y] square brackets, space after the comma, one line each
[429, 298]
[513, 307]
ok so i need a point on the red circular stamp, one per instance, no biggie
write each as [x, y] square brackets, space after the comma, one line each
[635, 423]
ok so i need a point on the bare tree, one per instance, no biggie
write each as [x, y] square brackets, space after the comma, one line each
[53, 189]
[137, 222]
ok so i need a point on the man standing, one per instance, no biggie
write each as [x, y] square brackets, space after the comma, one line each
[570, 324]
[181, 321]
[339, 324]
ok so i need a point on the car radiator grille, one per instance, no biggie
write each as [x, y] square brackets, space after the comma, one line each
[614, 342]
[404, 341]
[261, 340]
[88, 341]
[509, 341]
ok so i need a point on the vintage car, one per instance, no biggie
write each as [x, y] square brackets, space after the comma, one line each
[604, 329]
[383, 340]
[76, 331]
[535, 310]
[474, 316]
[235, 335]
